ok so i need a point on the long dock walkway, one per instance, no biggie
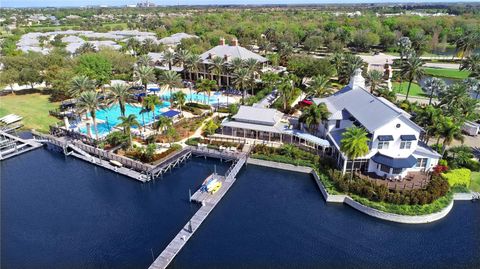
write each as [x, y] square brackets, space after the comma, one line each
[208, 204]
[11, 146]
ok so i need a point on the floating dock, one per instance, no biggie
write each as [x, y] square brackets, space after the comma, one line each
[208, 201]
[11, 146]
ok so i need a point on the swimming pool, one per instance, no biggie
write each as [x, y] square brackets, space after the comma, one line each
[109, 117]
[215, 98]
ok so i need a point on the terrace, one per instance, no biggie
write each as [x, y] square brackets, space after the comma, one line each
[412, 181]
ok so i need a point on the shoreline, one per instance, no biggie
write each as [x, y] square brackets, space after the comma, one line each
[343, 198]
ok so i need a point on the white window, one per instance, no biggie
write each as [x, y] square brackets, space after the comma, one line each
[405, 145]
[383, 144]
[421, 162]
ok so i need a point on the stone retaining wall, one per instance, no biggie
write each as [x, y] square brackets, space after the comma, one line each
[341, 198]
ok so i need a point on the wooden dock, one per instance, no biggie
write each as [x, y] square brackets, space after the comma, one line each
[11, 146]
[208, 202]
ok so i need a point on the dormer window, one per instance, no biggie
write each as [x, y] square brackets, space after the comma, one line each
[405, 145]
[383, 144]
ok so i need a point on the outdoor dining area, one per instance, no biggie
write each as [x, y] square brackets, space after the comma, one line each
[412, 181]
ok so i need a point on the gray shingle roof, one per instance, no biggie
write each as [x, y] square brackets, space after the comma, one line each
[258, 115]
[368, 109]
[232, 52]
[176, 38]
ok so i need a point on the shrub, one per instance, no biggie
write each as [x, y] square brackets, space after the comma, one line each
[116, 138]
[459, 176]
[197, 105]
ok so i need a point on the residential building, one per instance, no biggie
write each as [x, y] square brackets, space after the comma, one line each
[395, 141]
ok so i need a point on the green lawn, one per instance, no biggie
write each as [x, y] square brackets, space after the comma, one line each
[32, 107]
[475, 183]
[415, 89]
[446, 73]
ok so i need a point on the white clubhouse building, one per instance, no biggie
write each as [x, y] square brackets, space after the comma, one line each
[395, 146]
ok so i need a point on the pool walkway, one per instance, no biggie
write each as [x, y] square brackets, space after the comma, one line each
[208, 201]
[11, 146]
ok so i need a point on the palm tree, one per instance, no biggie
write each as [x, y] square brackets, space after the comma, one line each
[206, 86]
[242, 81]
[337, 60]
[385, 93]
[133, 45]
[163, 122]
[143, 111]
[236, 64]
[251, 64]
[216, 68]
[89, 101]
[145, 74]
[170, 79]
[180, 98]
[148, 45]
[411, 69]
[405, 46]
[81, 84]
[119, 94]
[127, 123]
[182, 58]
[354, 144]
[428, 119]
[168, 57]
[287, 89]
[314, 115]
[351, 63]
[144, 60]
[450, 130]
[472, 64]
[319, 86]
[86, 48]
[151, 102]
[374, 79]
[467, 43]
[193, 64]
[434, 86]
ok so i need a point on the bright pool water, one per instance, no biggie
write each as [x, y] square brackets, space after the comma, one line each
[111, 115]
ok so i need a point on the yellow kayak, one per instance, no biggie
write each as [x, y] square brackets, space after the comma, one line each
[216, 187]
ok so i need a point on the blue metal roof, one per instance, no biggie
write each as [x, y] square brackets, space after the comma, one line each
[408, 162]
[385, 138]
[408, 137]
[170, 113]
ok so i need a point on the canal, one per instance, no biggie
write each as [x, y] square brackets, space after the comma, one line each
[59, 212]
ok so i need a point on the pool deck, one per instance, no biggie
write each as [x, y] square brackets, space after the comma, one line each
[208, 201]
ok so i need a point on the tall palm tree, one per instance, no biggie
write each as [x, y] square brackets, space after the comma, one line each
[179, 99]
[429, 119]
[162, 123]
[385, 93]
[242, 81]
[148, 45]
[168, 58]
[145, 74]
[251, 64]
[81, 84]
[374, 79]
[206, 86]
[351, 63]
[319, 86]
[216, 68]
[151, 102]
[411, 69]
[133, 45]
[434, 86]
[236, 63]
[170, 79]
[314, 115]
[472, 64]
[287, 89]
[450, 130]
[89, 101]
[354, 144]
[192, 64]
[144, 60]
[467, 43]
[337, 60]
[127, 123]
[182, 58]
[119, 94]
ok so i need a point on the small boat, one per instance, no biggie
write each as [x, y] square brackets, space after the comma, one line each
[216, 187]
[209, 182]
[116, 163]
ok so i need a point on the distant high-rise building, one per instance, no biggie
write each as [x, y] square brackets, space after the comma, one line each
[146, 3]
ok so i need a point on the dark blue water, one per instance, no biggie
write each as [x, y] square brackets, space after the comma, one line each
[278, 219]
[60, 212]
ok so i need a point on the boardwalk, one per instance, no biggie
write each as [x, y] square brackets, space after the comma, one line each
[11, 146]
[208, 204]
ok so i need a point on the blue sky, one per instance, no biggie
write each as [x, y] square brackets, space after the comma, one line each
[43, 3]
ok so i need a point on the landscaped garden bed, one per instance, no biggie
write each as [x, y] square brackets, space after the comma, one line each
[212, 144]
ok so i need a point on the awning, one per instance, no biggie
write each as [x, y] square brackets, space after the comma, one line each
[408, 137]
[408, 162]
[309, 137]
[170, 113]
[385, 138]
